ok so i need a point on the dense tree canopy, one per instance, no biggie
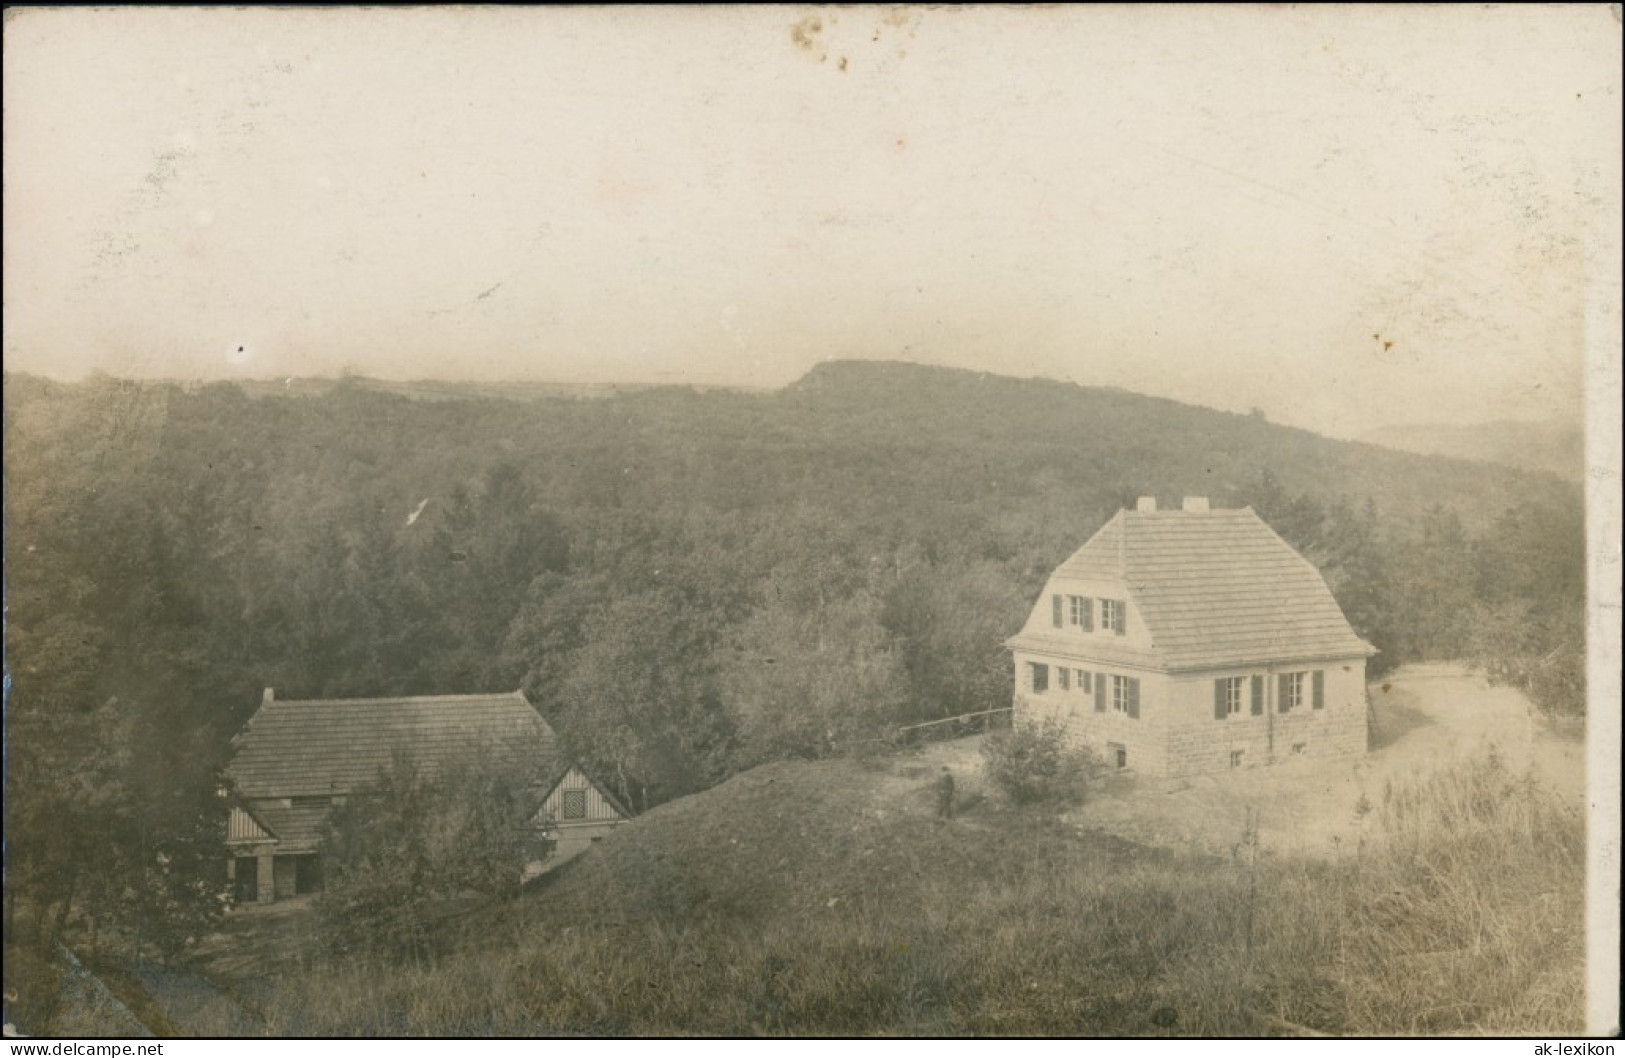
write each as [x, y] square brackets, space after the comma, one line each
[685, 583]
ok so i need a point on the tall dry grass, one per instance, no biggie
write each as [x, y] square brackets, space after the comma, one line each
[1461, 914]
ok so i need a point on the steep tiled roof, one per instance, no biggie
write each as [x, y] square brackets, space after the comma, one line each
[311, 748]
[1216, 587]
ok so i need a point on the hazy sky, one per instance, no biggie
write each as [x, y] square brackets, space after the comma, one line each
[1347, 218]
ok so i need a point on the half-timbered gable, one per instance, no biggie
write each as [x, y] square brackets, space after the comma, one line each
[577, 811]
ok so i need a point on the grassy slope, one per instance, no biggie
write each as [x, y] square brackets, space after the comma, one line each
[822, 898]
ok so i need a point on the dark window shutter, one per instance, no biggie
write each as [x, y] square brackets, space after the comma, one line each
[1280, 692]
[1134, 699]
[1258, 696]
[1120, 626]
[1057, 601]
[1100, 692]
[1088, 605]
[1320, 689]
[1220, 706]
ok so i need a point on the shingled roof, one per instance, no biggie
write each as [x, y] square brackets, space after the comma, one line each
[330, 746]
[1217, 587]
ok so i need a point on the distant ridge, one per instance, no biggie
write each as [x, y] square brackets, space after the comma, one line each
[1063, 435]
[1054, 451]
[441, 389]
[1554, 446]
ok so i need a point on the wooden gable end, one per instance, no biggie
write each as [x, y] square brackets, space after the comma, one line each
[242, 827]
[577, 799]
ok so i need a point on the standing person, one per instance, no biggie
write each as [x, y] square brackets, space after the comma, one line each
[945, 793]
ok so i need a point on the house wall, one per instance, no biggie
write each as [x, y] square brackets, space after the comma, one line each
[285, 873]
[265, 883]
[1144, 737]
[1198, 742]
[249, 862]
[573, 840]
[1177, 732]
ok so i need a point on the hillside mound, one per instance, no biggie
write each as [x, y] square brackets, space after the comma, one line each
[806, 838]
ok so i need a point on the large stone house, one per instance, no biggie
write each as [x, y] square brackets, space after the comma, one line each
[296, 760]
[1190, 641]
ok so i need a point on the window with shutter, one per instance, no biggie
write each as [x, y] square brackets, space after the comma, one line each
[1081, 612]
[1063, 678]
[1100, 692]
[1126, 695]
[1258, 696]
[1292, 690]
[1040, 677]
[1320, 689]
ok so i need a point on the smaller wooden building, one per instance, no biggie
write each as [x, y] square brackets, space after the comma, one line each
[297, 759]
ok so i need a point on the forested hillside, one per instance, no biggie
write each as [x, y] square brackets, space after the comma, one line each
[686, 583]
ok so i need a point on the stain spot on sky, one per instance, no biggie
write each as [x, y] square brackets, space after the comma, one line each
[808, 37]
[805, 33]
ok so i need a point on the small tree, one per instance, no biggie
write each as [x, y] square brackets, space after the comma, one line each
[1033, 763]
[414, 839]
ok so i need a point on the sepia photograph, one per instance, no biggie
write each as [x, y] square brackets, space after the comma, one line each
[812, 522]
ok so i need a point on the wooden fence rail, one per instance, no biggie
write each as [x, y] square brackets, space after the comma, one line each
[951, 719]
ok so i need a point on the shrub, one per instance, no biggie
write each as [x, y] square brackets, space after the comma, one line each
[409, 842]
[1032, 763]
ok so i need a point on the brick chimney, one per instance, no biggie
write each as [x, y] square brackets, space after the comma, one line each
[1196, 504]
[1146, 505]
[268, 697]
